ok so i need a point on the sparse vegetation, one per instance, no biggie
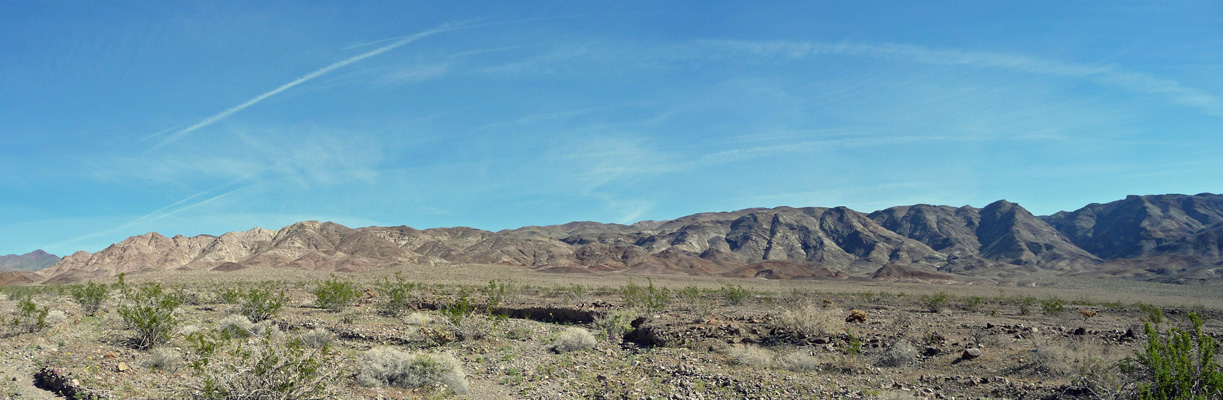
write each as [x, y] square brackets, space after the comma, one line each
[261, 303]
[934, 302]
[1180, 364]
[647, 298]
[399, 295]
[30, 317]
[1052, 306]
[898, 354]
[335, 294]
[734, 294]
[750, 355]
[573, 339]
[148, 310]
[90, 296]
[385, 366]
[269, 367]
[613, 325]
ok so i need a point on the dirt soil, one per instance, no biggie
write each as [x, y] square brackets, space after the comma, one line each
[803, 340]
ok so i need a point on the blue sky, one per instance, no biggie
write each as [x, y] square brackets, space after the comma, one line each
[121, 118]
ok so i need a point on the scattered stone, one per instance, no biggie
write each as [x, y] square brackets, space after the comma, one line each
[122, 367]
[931, 351]
[971, 353]
[1080, 331]
[856, 316]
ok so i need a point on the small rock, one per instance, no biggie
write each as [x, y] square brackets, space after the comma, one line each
[122, 367]
[109, 356]
[856, 316]
[931, 351]
[971, 353]
[1080, 331]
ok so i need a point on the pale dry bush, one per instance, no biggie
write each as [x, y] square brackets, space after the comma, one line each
[387, 366]
[898, 354]
[162, 359]
[55, 317]
[239, 326]
[418, 319]
[187, 330]
[750, 355]
[316, 338]
[798, 361]
[473, 328]
[811, 321]
[573, 339]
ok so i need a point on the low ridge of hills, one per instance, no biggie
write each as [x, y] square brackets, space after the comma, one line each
[1170, 238]
[32, 261]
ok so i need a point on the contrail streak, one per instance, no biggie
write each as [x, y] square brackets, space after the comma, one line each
[223, 114]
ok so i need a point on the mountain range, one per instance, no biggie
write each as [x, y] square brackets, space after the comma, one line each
[1170, 238]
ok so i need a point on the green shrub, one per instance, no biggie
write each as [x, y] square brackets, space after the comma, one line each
[734, 294]
[261, 303]
[853, 345]
[497, 292]
[1025, 304]
[578, 294]
[149, 311]
[973, 303]
[386, 366]
[229, 295]
[400, 296]
[613, 325]
[695, 301]
[90, 296]
[30, 317]
[336, 294]
[1152, 313]
[1180, 364]
[645, 298]
[934, 302]
[1052, 305]
[262, 368]
[573, 339]
[460, 307]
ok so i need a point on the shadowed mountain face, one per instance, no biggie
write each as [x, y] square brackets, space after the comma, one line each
[920, 242]
[32, 261]
[1140, 225]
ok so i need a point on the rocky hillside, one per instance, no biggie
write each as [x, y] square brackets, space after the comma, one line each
[32, 261]
[1170, 237]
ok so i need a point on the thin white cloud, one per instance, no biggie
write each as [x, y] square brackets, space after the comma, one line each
[223, 114]
[1109, 75]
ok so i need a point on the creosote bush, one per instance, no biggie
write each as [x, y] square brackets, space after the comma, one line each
[261, 303]
[573, 339]
[613, 325]
[335, 294]
[934, 302]
[267, 367]
[648, 298]
[734, 294]
[1180, 364]
[385, 366]
[90, 296]
[399, 295]
[30, 317]
[149, 311]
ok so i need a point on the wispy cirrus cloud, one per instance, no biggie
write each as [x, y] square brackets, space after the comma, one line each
[181, 133]
[1108, 75]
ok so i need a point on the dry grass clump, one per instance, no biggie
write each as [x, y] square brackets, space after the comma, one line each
[573, 339]
[239, 326]
[473, 328]
[811, 321]
[386, 366]
[55, 317]
[418, 319]
[898, 354]
[750, 355]
[317, 338]
[798, 361]
[162, 359]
